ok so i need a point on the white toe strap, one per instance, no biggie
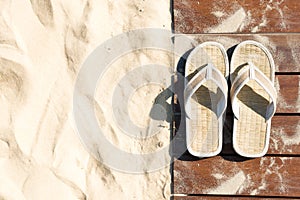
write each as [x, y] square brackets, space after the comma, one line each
[209, 72]
[250, 72]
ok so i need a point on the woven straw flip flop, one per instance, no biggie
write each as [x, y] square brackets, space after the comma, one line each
[205, 98]
[253, 98]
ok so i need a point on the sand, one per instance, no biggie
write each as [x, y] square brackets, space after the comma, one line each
[42, 47]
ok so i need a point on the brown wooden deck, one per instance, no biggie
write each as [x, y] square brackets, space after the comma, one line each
[276, 24]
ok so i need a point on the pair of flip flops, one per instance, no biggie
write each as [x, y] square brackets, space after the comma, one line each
[252, 94]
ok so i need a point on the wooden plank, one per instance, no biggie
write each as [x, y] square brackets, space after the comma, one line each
[288, 94]
[229, 175]
[285, 130]
[203, 197]
[288, 91]
[285, 137]
[236, 16]
[285, 48]
[284, 140]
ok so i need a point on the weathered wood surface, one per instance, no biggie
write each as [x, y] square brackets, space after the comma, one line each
[288, 91]
[275, 24]
[267, 176]
[285, 137]
[236, 16]
[217, 197]
[285, 48]
[285, 131]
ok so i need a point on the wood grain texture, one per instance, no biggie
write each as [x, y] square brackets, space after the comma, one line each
[288, 94]
[207, 197]
[236, 16]
[285, 137]
[229, 175]
[285, 48]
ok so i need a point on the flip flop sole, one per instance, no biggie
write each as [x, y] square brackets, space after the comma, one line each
[251, 131]
[203, 134]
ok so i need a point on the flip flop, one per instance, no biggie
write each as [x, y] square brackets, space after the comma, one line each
[205, 98]
[253, 98]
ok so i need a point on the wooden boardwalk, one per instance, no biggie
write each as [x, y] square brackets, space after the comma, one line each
[276, 24]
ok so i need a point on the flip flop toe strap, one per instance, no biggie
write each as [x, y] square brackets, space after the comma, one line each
[209, 72]
[251, 72]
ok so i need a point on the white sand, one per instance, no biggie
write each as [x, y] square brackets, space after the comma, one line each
[42, 46]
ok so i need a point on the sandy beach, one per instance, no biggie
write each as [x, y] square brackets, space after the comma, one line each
[43, 45]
